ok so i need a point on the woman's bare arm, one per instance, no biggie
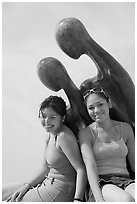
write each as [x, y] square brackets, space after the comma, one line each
[69, 146]
[90, 163]
[130, 141]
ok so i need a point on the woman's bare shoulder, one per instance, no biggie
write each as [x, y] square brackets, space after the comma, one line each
[124, 124]
[66, 134]
[84, 130]
[127, 130]
[86, 135]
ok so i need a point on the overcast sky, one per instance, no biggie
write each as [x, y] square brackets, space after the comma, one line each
[28, 31]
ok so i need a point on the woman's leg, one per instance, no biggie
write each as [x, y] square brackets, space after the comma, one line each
[112, 193]
[9, 189]
[131, 189]
[57, 191]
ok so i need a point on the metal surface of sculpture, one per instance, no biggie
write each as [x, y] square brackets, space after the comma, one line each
[74, 40]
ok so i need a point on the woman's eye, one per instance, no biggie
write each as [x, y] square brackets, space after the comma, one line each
[52, 117]
[91, 108]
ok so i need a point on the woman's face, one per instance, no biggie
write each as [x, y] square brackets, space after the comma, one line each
[51, 120]
[98, 107]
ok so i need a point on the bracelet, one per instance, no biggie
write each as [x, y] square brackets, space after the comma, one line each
[31, 187]
[78, 199]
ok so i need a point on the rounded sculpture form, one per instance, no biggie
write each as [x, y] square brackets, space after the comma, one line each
[71, 35]
[51, 73]
[74, 40]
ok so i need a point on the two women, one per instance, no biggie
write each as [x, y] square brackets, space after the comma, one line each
[62, 177]
[105, 144]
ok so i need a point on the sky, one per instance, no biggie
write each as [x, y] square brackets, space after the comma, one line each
[28, 35]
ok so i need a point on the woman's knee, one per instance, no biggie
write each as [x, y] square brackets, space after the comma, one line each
[131, 189]
[126, 197]
[112, 193]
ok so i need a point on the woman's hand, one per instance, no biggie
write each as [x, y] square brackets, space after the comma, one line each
[17, 195]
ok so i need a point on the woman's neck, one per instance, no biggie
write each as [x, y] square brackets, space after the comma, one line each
[106, 124]
[57, 131]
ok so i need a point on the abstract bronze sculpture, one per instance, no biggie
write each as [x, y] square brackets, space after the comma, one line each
[74, 40]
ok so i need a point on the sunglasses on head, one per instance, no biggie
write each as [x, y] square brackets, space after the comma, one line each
[95, 90]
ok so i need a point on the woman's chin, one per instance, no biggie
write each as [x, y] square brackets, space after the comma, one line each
[49, 128]
[99, 119]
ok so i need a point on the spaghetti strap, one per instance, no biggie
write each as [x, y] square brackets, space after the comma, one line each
[121, 130]
[93, 132]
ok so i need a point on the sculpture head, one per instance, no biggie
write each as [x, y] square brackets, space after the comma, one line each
[71, 36]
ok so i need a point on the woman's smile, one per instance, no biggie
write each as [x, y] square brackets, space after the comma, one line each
[98, 115]
[48, 126]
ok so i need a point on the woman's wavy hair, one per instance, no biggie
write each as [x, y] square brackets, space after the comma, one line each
[56, 103]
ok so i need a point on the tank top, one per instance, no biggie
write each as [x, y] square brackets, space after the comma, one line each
[110, 157]
[60, 166]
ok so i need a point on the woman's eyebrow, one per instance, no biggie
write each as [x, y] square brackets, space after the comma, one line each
[102, 100]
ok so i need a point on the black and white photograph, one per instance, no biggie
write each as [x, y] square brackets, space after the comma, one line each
[68, 101]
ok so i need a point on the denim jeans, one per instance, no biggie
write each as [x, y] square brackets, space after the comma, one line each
[51, 190]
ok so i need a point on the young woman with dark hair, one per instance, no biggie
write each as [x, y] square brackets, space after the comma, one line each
[62, 177]
[105, 145]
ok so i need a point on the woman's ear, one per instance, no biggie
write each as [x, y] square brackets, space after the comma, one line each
[110, 103]
[63, 119]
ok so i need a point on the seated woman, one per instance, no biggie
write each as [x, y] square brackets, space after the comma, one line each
[105, 145]
[63, 175]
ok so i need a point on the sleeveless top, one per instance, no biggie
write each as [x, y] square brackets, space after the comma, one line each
[110, 157]
[60, 166]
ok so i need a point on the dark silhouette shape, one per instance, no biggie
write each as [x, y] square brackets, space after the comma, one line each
[54, 76]
[74, 40]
